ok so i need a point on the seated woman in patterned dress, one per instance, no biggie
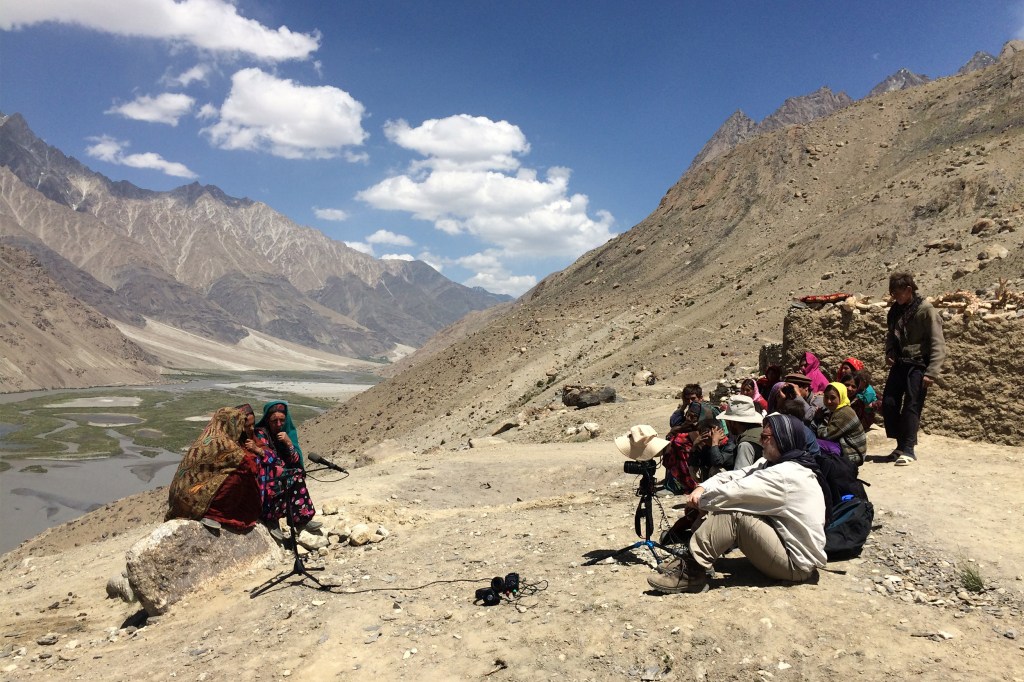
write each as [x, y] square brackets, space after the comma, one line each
[282, 476]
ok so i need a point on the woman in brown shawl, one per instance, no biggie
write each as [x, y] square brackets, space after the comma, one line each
[216, 480]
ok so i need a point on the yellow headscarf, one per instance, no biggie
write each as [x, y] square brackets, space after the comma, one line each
[844, 400]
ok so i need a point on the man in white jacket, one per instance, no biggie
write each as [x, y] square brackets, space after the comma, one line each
[773, 510]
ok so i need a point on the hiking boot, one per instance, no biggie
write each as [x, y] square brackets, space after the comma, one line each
[686, 575]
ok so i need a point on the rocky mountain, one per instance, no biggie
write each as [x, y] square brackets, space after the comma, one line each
[822, 102]
[901, 80]
[50, 339]
[181, 256]
[739, 127]
[980, 60]
[932, 182]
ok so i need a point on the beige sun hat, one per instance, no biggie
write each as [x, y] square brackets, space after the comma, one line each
[740, 408]
[641, 442]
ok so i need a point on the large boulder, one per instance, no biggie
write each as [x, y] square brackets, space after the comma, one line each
[587, 396]
[182, 555]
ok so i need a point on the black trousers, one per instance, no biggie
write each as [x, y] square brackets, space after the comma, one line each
[902, 404]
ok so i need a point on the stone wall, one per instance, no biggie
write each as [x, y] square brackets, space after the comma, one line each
[982, 374]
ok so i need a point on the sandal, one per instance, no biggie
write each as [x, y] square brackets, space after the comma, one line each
[905, 460]
[892, 456]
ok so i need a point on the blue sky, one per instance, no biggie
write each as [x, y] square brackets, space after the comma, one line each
[497, 141]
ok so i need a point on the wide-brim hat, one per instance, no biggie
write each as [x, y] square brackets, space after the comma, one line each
[740, 408]
[641, 442]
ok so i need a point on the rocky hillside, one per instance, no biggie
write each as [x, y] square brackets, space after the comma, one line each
[897, 181]
[49, 339]
[182, 257]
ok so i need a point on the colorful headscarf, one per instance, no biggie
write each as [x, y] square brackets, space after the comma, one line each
[757, 391]
[844, 398]
[206, 465]
[774, 396]
[289, 426]
[855, 364]
[812, 370]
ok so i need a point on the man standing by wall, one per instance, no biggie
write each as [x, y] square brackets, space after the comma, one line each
[914, 352]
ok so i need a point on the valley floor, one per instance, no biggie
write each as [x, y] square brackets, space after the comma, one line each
[404, 607]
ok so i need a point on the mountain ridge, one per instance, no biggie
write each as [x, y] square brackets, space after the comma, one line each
[179, 253]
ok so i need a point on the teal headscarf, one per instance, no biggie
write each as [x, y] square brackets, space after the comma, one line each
[289, 425]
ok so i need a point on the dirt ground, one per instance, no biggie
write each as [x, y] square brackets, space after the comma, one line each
[403, 608]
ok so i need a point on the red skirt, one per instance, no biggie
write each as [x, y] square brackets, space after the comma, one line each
[237, 503]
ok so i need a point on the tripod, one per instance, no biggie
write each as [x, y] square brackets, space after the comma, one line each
[645, 513]
[298, 568]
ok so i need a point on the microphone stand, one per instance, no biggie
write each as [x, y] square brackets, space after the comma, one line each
[298, 567]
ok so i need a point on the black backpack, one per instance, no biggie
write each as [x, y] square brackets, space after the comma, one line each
[848, 530]
[850, 514]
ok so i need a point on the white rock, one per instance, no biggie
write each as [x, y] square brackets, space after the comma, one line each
[360, 535]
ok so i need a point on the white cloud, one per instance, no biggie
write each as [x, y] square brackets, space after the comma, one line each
[361, 247]
[207, 111]
[166, 108]
[213, 25]
[472, 183]
[491, 274]
[521, 214]
[462, 141]
[330, 214]
[108, 149]
[199, 72]
[388, 237]
[287, 119]
[398, 256]
[436, 262]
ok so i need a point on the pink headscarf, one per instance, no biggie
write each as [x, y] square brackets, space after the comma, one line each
[812, 370]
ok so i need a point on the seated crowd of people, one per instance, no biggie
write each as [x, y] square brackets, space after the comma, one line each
[750, 472]
[240, 472]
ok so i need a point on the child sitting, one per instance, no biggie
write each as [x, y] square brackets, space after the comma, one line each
[865, 402]
[838, 429]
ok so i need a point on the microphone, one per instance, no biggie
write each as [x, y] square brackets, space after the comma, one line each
[317, 459]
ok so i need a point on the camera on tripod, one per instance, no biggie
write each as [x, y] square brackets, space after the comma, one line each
[646, 466]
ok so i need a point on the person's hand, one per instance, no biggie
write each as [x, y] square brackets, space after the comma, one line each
[927, 381]
[717, 435]
[693, 501]
[253, 446]
[282, 437]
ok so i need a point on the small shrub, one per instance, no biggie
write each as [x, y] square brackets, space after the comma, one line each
[969, 576]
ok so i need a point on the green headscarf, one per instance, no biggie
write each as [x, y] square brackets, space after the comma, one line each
[289, 425]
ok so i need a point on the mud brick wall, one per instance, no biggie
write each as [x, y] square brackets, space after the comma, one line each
[983, 371]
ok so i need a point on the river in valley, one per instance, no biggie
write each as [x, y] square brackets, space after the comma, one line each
[42, 491]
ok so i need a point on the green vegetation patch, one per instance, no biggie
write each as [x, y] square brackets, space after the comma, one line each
[47, 431]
